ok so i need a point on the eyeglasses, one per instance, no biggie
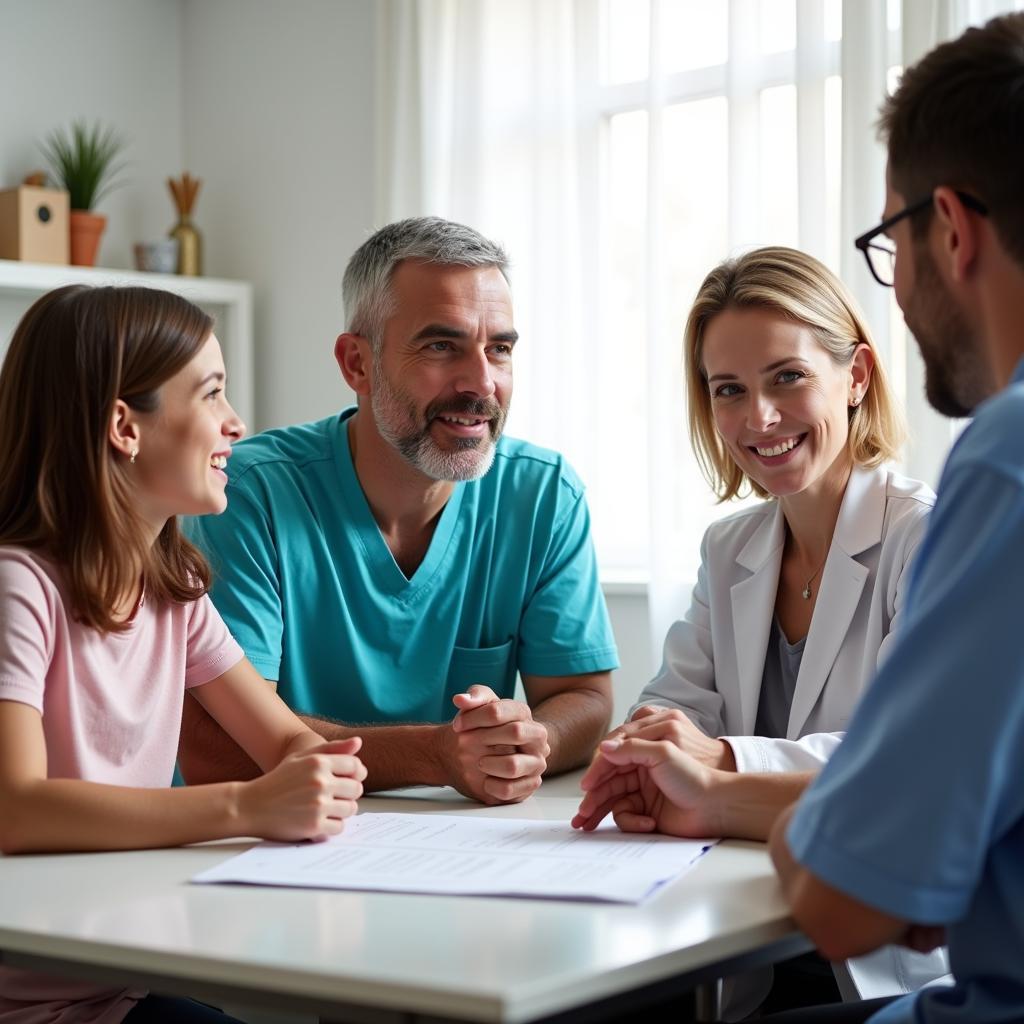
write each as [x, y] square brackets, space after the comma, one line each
[881, 252]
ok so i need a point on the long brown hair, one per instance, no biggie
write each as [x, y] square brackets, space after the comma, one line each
[64, 490]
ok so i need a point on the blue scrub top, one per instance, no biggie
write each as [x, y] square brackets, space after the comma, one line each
[920, 812]
[309, 588]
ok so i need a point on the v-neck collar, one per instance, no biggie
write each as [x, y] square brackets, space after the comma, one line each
[381, 561]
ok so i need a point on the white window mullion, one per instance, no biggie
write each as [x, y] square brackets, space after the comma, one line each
[592, 188]
[744, 133]
[663, 391]
[864, 68]
[811, 70]
[696, 84]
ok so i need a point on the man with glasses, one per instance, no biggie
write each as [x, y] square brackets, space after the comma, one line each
[916, 825]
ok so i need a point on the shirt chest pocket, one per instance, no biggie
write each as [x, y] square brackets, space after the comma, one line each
[489, 666]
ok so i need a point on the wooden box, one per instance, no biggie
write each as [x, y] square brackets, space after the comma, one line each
[34, 224]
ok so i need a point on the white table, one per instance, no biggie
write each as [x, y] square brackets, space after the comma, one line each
[379, 957]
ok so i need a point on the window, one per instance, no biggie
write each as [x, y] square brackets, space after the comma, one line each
[620, 149]
[716, 136]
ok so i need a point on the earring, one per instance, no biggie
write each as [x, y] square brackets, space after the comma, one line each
[854, 402]
[134, 453]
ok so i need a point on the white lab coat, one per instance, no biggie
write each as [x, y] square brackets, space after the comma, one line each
[714, 657]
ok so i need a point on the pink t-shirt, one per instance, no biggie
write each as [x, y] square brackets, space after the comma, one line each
[111, 708]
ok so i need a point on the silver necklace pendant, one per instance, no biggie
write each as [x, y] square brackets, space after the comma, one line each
[807, 592]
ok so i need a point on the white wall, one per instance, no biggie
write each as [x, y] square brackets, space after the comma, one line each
[270, 103]
[628, 613]
[278, 121]
[114, 60]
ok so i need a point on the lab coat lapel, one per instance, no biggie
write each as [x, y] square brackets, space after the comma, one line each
[858, 528]
[753, 600]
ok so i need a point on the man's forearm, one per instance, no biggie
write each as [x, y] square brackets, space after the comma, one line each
[394, 755]
[748, 804]
[577, 721]
[206, 753]
[838, 924]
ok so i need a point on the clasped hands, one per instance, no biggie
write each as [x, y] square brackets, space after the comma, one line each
[493, 749]
[653, 774]
[671, 725]
[657, 773]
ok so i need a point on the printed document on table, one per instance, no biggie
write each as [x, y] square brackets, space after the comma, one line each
[467, 855]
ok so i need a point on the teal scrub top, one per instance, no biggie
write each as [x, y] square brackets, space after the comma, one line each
[309, 588]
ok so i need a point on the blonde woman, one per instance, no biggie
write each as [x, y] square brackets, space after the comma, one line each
[796, 597]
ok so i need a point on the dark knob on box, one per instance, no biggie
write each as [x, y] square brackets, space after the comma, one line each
[43, 213]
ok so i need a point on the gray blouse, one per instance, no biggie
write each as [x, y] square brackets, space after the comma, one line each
[778, 684]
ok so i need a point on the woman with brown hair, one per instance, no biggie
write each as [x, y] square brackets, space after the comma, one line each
[113, 422]
[797, 597]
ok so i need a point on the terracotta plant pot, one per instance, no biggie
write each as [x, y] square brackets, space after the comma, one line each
[86, 229]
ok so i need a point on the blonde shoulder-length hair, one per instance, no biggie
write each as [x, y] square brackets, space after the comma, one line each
[801, 289]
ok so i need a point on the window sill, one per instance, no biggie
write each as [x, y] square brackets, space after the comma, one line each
[624, 582]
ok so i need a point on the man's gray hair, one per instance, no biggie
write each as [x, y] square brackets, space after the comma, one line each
[366, 287]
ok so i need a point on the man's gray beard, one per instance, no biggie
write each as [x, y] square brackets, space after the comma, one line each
[395, 419]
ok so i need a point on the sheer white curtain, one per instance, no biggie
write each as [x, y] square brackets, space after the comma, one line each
[620, 148]
[479, 123]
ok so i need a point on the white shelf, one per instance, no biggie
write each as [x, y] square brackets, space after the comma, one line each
[230, 302]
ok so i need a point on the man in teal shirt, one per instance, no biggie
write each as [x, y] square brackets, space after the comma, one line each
[392, 568]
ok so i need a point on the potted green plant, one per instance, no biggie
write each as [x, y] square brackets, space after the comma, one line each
[83, 160]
